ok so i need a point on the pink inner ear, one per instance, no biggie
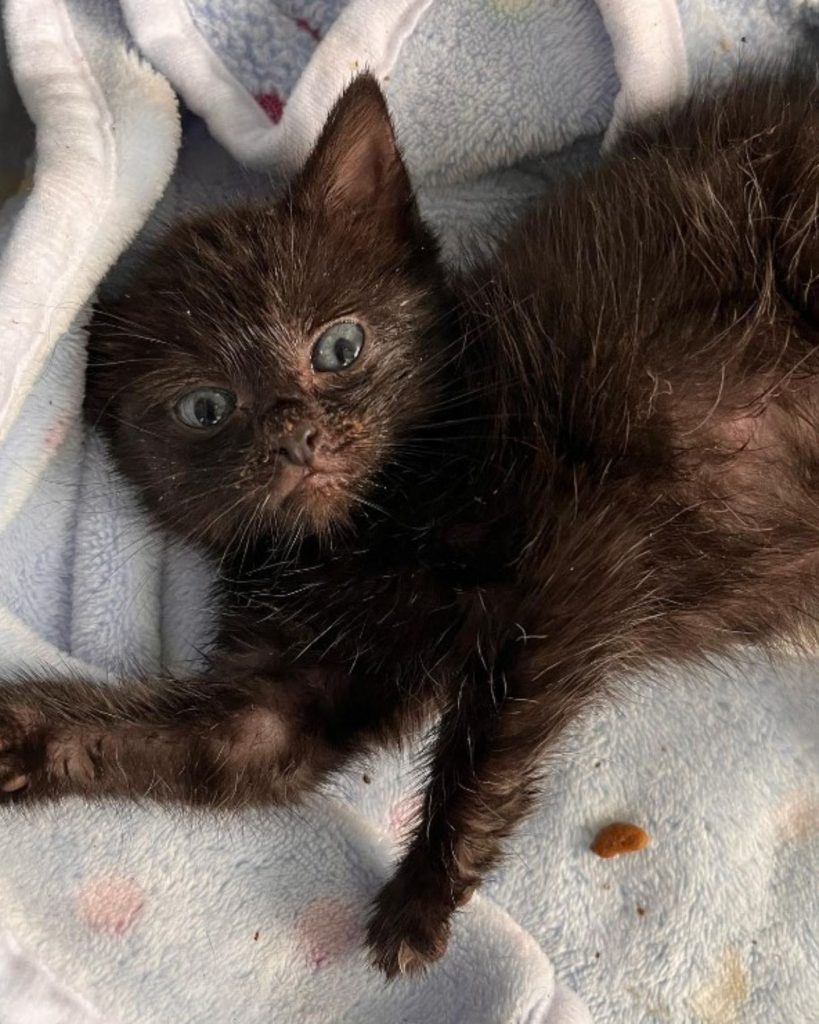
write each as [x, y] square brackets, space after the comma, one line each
[362, 173]
[356, 163]
[367, 172]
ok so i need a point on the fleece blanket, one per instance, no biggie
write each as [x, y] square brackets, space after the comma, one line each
[135, 913]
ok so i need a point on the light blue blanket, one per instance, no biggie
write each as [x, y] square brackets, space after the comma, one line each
[138, 914]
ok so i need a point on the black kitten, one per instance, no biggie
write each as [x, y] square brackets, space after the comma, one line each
[486, 500]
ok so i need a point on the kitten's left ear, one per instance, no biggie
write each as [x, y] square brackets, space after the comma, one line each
[355, 166]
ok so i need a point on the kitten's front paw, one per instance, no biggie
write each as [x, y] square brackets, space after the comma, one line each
[408, 930]
[14, 778]
[20, 751]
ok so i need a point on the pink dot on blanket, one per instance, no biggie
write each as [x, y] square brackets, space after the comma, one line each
[403, 814]
[326, 929]
[272, 104]
[56, 435]
[110, 903]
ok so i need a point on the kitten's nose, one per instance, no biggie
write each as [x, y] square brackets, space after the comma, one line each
[299, 443]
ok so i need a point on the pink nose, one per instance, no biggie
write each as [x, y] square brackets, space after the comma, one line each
[298, 444]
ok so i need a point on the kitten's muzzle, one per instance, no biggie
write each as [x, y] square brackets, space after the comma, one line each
[298, 443]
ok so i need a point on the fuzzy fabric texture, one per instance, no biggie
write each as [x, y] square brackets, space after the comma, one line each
[152, 915]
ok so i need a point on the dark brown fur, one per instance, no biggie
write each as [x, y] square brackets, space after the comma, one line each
[598, 453]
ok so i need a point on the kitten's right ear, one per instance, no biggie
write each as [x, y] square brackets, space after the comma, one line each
[355, 167]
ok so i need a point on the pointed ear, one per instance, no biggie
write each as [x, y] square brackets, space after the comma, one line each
[355, 166]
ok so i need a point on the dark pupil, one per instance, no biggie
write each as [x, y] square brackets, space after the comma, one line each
[345, 351]
[207, 411]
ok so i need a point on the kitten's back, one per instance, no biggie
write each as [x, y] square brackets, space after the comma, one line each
[675, 282]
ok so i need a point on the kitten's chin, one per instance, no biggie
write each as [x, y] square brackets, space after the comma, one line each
[319, 499]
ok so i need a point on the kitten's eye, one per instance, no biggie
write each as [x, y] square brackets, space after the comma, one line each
[204, 408]
[338, 347]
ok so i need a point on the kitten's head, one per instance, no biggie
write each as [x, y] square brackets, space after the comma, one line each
[272, 357]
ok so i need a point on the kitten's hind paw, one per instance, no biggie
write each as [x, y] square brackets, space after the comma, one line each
[407, 932]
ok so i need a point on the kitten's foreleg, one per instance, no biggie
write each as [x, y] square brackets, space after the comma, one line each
[201, 741]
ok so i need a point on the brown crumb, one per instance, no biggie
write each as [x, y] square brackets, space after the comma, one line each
[366, 779]
[641, 911]
[619, 837]
[256, 937]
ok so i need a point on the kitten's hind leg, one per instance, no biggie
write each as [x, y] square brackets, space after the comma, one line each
[483, 781]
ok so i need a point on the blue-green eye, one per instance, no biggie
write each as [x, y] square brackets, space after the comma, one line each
[205, 408]
[338, 347]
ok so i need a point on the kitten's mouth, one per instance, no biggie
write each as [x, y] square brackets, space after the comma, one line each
[320, 479]
[292, 479]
